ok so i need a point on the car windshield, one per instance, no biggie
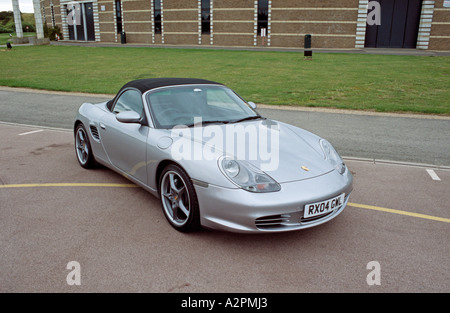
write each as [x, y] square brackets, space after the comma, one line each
[195, 104]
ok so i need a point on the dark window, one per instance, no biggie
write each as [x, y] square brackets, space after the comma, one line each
[157, 15]
[206, 16]
[89, 30]
[53, 16]
[118, 16]
[263, 15]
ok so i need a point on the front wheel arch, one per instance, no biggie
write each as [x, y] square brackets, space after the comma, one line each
[160, 168]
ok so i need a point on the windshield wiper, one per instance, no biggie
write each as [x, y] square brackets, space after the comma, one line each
[248, 118]
[202, 123]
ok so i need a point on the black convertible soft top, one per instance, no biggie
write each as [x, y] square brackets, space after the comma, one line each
[144, 85]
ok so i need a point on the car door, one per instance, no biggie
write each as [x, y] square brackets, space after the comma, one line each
[125, 143]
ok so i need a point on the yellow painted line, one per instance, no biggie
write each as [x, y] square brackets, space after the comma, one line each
[356, 205]
[376, 208]
[68, 185]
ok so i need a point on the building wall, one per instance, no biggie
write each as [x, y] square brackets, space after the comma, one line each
[106, 16]
[233, 22]
[136, 19]
[180, 22]
[51, 17]
[332, 24]
[440, 27]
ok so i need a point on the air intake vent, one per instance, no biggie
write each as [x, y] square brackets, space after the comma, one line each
[272, 221]
[94, 132]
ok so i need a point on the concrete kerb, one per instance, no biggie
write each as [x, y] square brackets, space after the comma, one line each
[378, 51]
[262, 106]
[391, 51]
[34, 41]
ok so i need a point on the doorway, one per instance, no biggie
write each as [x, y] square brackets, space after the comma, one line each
[399, 25]
[80, 20]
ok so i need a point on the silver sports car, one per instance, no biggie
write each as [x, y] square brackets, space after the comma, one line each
[211, 159]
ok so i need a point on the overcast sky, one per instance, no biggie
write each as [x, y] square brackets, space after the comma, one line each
[26, 6]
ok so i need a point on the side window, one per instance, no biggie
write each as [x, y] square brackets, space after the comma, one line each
[130, 100]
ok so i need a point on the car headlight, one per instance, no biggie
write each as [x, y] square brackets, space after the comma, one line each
[332, 156]
[247, 176]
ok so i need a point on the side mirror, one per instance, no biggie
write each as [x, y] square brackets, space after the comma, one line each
[252, 105]
[128, 117]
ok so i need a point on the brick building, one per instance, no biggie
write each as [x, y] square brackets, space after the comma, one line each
[420, 24]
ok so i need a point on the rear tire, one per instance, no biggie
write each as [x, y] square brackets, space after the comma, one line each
[179, 199]
[83, 148]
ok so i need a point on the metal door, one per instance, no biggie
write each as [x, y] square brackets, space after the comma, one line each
[399, 25]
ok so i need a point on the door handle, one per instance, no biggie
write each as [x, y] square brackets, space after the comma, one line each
[102, 126]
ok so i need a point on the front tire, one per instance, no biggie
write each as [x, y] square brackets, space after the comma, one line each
[83, 148]
[179, 200]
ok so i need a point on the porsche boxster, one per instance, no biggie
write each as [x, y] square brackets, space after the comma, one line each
[212, 160]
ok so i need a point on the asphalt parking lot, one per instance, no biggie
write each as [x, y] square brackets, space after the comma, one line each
[54, 212]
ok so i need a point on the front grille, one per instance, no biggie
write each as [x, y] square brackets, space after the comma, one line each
[94, 132]
[293, 220]
[272, 221]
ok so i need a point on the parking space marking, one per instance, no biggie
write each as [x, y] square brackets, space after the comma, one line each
[433, 174]
[31, 132]
[69, 185]
[356, 205]
[37, 126]
[371, 207]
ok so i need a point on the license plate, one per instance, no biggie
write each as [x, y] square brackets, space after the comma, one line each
[323, 207]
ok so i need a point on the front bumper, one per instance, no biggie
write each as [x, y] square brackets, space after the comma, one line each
[237, 210]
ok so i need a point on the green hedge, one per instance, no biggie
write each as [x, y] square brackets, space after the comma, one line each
[50, 32]
[7, 29]
[7, 22]
[10, 27]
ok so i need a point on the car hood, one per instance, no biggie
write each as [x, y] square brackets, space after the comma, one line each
[284, 152]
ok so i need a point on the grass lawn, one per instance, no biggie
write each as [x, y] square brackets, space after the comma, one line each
[4, 37]
[349, 81]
